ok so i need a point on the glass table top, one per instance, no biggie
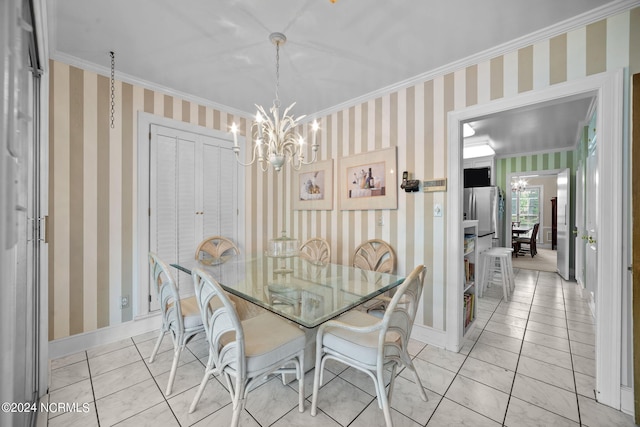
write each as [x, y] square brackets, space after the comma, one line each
[305, 292]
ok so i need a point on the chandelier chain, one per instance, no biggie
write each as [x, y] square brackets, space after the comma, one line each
[113, 88]
[276, 101]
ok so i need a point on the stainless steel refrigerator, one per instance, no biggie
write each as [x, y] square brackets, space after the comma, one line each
[483, 203]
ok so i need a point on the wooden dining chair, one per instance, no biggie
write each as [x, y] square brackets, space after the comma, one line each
[375, 255]
[529, 241]
[372, 345]
[244, 352]
[216, 249]
[315, 250]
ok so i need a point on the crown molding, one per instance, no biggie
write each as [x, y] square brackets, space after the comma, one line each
[538, 152]
[565, 26]
[126, 78]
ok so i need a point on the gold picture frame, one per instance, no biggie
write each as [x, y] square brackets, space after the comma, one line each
[313, 186]
[369, 180]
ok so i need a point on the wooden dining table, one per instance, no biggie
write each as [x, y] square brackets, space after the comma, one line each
[515, 233]
[518, 231]
[305, 292]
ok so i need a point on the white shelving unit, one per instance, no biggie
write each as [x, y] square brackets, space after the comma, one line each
[469, 276]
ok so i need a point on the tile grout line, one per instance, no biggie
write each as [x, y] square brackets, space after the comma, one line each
[515, 372]
[95, 401]
[349, 382]
[573, 369]
[157, 385]
[522, 344]
[460, 368]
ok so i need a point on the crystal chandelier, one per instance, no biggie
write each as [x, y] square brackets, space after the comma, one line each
[277, 141]
[519, 186]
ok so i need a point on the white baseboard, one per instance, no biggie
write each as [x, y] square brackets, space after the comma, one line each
[591, 302]
[627, 401]
[429, 335]
[80, 342]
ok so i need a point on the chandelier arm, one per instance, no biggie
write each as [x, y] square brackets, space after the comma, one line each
[313, 159]
[297, 166]
[253, 160]
[292, 152]
[292, 149]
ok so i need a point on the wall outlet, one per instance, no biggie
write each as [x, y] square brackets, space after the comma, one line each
[124, 302]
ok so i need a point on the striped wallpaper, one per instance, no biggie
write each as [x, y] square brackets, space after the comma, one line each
[93, 168]
[92, 193]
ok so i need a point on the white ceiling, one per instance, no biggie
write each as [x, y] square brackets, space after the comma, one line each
[339, 52]
[552, 126]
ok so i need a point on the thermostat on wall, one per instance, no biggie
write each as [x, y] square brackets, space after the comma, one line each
[435, 185]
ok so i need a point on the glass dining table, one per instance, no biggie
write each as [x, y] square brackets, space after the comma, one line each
[305, 292]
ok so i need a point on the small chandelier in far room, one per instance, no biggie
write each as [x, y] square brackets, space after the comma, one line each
[519, 185]
[277, 141]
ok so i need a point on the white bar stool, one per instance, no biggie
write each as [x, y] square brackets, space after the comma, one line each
[499, 270]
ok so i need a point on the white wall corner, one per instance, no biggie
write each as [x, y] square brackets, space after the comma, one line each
[627, 401]
[429, 336]
[86, 340]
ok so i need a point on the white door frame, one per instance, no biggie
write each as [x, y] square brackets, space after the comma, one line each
[140, 290]
[507, 199]
[578, 247]
[609, 89]
[563, 234]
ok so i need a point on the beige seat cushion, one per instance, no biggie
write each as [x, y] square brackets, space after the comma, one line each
[268, 339]
[359, 346]
[191, 311]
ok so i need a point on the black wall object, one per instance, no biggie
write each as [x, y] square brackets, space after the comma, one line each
[477, 177]
[409, 185]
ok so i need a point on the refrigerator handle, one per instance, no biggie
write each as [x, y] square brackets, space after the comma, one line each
[474, 214]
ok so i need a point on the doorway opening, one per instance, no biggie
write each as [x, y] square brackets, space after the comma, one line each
[608, 90]
[535, 202]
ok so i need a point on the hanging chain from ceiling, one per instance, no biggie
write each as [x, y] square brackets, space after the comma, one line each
[113, 87]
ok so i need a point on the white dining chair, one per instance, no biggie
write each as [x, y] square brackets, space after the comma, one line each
[180, 317]
[372, 345]
[315, 250]
[375, 255]
[245, 351]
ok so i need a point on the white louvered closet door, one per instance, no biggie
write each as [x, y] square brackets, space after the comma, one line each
[193, 194]
[220, 191]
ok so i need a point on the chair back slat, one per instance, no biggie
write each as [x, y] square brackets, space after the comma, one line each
[216, 248]
[375, 255]
[401, 312]
[167, 292]
[315, 249]
[222, 326]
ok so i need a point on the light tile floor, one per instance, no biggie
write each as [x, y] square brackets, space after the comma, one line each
[530, 361]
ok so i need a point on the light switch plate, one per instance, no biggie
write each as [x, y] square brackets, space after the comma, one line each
[437, 210]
